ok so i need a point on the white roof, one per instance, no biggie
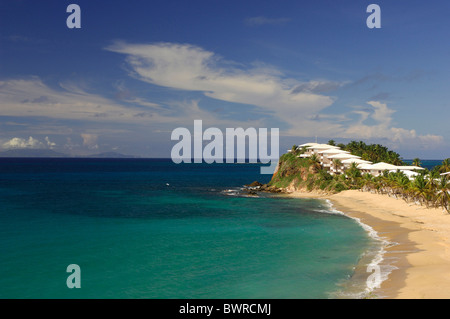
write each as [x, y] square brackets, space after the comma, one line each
[365, 166]
[409, 168]
[321, 147]
[355, 160]
[333, 151]
[448, 173]
[307, 144]
[378, 166]
[343, 155]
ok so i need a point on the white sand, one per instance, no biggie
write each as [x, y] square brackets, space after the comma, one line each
[423, 236]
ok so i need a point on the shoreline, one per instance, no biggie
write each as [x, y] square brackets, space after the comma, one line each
[420, 236]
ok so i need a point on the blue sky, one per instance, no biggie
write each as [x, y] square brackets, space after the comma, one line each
[136, 70]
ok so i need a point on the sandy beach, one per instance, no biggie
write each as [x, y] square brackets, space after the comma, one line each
[421, 254]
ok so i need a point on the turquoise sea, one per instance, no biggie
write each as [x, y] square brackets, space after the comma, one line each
[148, 228]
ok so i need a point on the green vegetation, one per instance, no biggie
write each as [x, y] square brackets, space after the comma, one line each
[307, 173]
[428, 188]
[373, 152]
[425, 189]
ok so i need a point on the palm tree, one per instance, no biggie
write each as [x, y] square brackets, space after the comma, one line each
[336, 164]
[401, 185]
[314, 162]
[397, 161]
[303, 150]
[332, 143]
[420, 190]
[416, 162]
[354, 173]
[432, 179]
[367, 182]
[443, 193]
[445, 167]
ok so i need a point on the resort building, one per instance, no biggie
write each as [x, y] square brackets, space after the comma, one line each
[325, 157]
[336, 161]
[316, 148]
[376, 169]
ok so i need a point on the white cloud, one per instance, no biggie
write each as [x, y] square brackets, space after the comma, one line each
[20, 143]
[382, 113]
[301, 105]
[30, 97]
[383, 128]
[50, 144]
[188, 67]
[90, 140]
[298, 107]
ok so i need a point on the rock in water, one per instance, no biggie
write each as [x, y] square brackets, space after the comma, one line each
[254, 184]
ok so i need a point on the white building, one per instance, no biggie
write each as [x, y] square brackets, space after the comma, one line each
[378, 168]
[327, 154]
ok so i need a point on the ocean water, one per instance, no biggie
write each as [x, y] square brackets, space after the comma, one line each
[428, 164]
[141, 228]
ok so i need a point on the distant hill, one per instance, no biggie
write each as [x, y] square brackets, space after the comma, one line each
[110, 155]
[31, 153]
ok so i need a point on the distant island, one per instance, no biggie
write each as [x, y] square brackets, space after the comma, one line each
[110, 155]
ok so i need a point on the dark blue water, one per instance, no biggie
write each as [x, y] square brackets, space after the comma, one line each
[141, 228]
[428, 164]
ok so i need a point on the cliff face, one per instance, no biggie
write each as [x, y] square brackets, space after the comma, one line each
[290, 169]
[296, 173]
[299, 174]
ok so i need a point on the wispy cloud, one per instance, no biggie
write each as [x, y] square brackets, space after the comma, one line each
[382, 127]
[303, 107]
[318, 87]
[188, 67]
[31, 97]
[379, 77]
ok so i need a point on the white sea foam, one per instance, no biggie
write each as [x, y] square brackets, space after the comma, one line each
[230, 192]
[330, 209]
[378, 262]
